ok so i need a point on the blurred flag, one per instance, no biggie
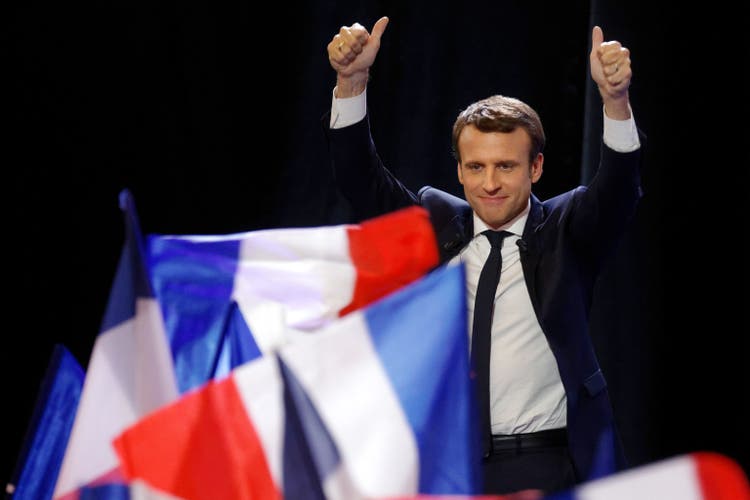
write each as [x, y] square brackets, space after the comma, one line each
[389, 383]
[130, 372]
[312, 468]
[49, 428]
[693, 476]
[206, 444]
[135, 490]
[228, 299]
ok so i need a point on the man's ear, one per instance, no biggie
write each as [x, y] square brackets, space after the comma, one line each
[537, 166]
[460, 173]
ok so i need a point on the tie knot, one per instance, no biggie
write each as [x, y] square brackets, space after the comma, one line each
[495, 237]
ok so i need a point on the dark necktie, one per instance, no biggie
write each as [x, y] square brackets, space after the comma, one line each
[481, 337]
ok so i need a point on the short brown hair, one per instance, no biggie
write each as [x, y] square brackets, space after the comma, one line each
[499, 113]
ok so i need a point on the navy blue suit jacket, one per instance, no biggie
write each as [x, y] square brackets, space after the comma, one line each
[564, 244]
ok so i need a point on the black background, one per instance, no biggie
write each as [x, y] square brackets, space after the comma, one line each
[210, 115]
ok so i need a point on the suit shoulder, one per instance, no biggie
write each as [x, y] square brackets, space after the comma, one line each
[429, 197]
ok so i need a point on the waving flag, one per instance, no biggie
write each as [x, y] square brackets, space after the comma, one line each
[228, 299]
[693, 476]
[47, 435]
[312, 467]
[135, 490]
[392, 385]
[130, 372]
[389, 383]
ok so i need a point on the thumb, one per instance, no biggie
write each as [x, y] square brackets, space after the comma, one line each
[379, 28]
[597, 37]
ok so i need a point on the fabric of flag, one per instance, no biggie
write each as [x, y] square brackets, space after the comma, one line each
[227, 299]
[47, 435]
[312, 467]
[693, 476]
[135, 490]
[393, 410]
[130, 371]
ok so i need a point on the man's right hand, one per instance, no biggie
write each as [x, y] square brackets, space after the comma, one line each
[610, 69]
[351, 52]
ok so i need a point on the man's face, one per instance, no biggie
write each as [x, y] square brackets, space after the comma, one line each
[495, 173]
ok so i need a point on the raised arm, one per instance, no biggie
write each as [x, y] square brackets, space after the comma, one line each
[358, 170]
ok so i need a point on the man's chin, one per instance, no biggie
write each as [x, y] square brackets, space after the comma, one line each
[492, 222]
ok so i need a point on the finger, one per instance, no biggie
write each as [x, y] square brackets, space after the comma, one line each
[611, 69]
[613, 65]
[597, 36]
[609, 52]
[353, 40]
[618, 72]
[379, 27]
[620, 77]
[345, 47]
[359, 35]
[339, 52]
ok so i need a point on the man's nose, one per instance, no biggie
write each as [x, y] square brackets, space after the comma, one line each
[490, 181]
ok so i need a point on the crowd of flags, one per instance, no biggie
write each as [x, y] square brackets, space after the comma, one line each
[321, 363]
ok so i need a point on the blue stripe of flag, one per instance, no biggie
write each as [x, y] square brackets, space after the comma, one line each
[47, 436]
[131, 277]
[420, 334]
[193, 282]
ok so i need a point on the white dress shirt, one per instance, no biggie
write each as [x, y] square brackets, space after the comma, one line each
[526, 392]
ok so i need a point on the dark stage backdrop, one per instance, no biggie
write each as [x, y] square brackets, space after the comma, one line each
[210, 114]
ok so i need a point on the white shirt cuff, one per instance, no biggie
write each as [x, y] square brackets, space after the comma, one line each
[348, 110]
[621, 135]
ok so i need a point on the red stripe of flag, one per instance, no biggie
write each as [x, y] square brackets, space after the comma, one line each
[721, 478]
[203, 446]
[389, 252]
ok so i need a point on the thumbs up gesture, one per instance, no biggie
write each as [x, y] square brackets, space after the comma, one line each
[610, 69]
[351, 52]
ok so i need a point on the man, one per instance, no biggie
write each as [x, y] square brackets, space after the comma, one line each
[548, 410]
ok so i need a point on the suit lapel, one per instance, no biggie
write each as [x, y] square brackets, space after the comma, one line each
[534, 224]
[455, 235]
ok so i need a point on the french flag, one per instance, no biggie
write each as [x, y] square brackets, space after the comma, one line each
[134, 490]
[376, 404]
[228, 299]
[693, 476]
[130, 371]
[47, 435]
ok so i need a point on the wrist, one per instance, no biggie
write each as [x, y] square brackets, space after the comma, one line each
[350, 86]
[617, 108]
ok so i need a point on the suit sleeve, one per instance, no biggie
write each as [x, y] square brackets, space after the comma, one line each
[360, 175]
[604, 208]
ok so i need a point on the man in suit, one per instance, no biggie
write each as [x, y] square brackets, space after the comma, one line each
[548, 410]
